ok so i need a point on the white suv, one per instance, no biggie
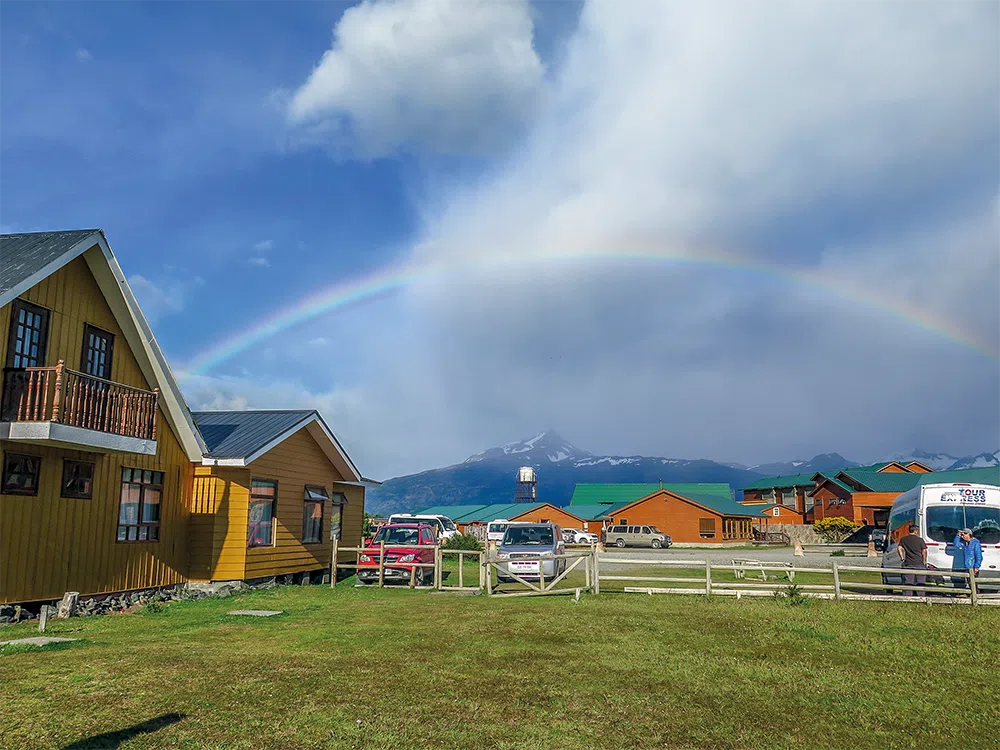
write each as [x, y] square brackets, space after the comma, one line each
[444, 526]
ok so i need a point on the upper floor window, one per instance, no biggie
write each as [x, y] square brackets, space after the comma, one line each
[98, 346]
[29, 334]
[263, 498]
[77, 479]
[20, 474]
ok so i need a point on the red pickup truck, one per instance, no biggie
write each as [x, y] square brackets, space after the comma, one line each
[400, 539]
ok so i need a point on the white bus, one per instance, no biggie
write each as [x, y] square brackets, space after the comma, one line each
[939, 511]
[444, 526]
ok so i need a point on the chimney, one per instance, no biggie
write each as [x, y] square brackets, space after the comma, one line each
[661, 484]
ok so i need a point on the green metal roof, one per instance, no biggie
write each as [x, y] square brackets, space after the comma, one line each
[452, 511]
[832, 476]
[790, 480]
[724, 505]
[480, 513]
[605, 494]
[883, 481]
[595, 512]
[984, 475]
[874, 467]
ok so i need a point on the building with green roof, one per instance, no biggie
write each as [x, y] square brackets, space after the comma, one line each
[609, 494]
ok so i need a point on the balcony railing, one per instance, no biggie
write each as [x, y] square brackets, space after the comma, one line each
[59, 394]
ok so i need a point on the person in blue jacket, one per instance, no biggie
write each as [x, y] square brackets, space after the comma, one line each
[968, 555]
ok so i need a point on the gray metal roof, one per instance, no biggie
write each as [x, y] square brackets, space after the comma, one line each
[24, 255]
[239, 434]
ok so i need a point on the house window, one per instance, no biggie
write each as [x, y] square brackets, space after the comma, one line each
[98, 348]
[337, 521]
[263, 495]
[139, 511]
[29, 334]
[312, 514]
[20, 474]
[622, 522]
[706, 528]
[78, 479]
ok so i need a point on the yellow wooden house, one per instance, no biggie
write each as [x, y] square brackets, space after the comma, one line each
[101, 462]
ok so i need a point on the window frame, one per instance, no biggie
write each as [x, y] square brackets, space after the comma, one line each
[306, 502]
[67, 463]
[702, 533]
[274, 512]
[7, 459]
[43, 332]
[338, 500]
[150, 526]
[89, 329]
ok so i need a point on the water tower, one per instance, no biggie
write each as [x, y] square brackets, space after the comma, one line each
[526, 490]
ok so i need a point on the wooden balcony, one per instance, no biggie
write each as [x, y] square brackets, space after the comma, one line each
[57, 404]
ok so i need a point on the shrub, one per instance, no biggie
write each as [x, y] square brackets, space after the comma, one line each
[463, 541]
[835, 529]
[793, 595]
[838, 553]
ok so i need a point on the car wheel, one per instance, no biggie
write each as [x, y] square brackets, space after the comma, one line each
[655, 544]
[620, 543]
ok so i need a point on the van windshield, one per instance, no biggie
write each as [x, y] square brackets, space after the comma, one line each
[540, 535]
[944, 521]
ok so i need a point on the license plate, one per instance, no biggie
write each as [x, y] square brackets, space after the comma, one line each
[524, 565]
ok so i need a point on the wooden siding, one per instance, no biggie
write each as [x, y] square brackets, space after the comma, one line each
[550, 514]
[217, 541]
[50, 544]
[784, 515]
[220, 509]
[674, 516]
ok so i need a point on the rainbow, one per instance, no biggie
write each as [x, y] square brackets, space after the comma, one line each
[391, 279]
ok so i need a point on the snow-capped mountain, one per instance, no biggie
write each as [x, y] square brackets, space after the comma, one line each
[822, 462]
[978, 461]
[488, 477]
[545, 446]
[937, 461]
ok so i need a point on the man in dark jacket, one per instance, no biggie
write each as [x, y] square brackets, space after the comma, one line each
[913, 552]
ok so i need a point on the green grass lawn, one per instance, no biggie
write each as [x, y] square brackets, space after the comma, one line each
[399, 669]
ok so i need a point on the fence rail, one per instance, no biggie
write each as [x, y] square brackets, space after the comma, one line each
[701, 577]
[59, 394]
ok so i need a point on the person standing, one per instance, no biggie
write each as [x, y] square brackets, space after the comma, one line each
[968, 556]
[913, 552]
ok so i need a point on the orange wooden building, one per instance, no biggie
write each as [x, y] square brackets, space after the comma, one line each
[692, 519]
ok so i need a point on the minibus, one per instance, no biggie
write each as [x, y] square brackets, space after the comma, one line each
[939, 511]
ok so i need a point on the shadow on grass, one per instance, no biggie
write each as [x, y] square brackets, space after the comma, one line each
[110, 740]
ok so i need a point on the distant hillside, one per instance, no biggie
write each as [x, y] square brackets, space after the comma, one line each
[822, 462]
[488, 477]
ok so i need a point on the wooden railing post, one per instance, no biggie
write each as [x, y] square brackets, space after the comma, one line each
[836, 581]
[57, 397]
[156, 409]
[381, 564]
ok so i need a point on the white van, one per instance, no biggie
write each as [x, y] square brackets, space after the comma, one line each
[939, 511]
[445, 527]
[496, 529]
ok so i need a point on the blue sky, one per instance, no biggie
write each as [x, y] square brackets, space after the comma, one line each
[242, 156]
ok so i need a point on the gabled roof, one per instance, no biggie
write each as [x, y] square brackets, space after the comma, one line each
[790, 480]
[822, 478]
[881, 481]
[27, 259]
[451, 511]
[725, 506]
[597, 494]
[595, 512]
[877, 467]
[237, 438]
[481, 513]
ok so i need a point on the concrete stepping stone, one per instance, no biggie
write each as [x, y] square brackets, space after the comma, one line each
[36, 641]
[256, 612]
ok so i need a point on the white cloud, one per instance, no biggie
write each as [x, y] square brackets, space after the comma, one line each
[448, 75]
[83, 55]
[263, 246]
[157, 300]
[260, 261]
[319, 342]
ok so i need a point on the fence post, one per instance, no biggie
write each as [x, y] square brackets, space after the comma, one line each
[461, 568]
[597, 572]
[708, 578]
[381, 563]
[438, 562]
[836, 581]
[333, 566]
[482, 570]
[541, 575]
[489, 573]
[972, 587]
[586, 570]
[413, 576]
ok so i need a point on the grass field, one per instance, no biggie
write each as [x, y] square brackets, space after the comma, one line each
[363, 668]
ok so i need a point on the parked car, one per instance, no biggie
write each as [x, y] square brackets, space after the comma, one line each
[637, 536]
[878, 539]
[523, 541]
[577, 536]
[496, 529]
[444, 526]
[401, 540]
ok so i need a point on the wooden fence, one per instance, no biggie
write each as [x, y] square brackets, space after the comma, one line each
[700, 577]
